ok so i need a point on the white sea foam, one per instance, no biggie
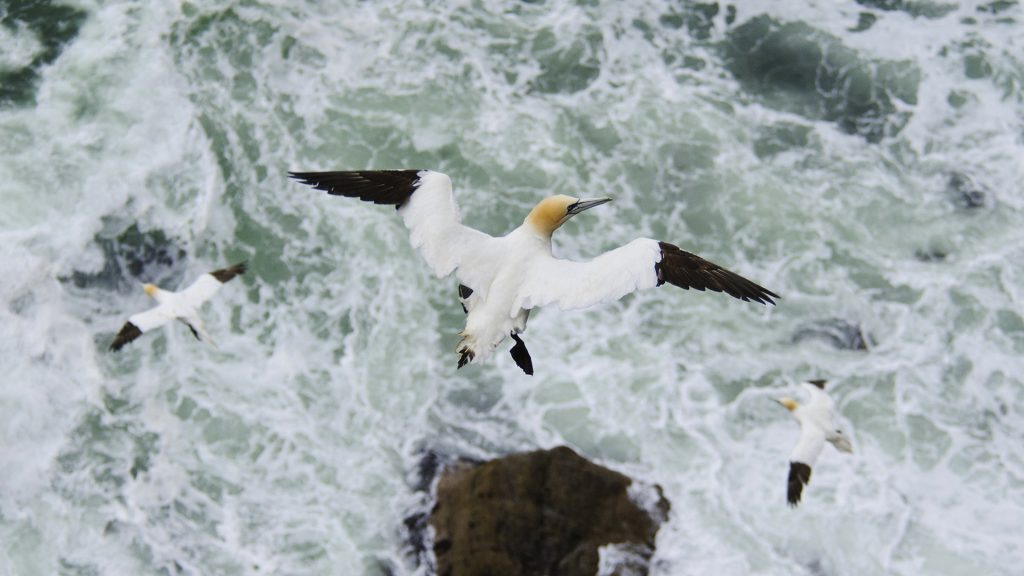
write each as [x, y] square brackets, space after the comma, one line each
[288, 448]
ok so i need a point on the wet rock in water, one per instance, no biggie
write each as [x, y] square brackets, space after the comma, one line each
[797, 68]
[415, 526]
[967, 194]
[543, 512]
[839, 333]
[134, 257]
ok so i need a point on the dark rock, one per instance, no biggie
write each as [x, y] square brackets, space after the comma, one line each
[414, 534]
[543, 512]
[841, 334]
[133, 257]
[967, 194]
[803, 70]
[414, 529]
[426, 470]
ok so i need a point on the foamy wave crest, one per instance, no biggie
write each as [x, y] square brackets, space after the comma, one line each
[862, 159]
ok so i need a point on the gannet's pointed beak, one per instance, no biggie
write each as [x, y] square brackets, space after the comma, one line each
[787, 403]
[582, 205]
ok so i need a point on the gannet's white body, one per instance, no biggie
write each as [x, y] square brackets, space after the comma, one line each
[512, 274]
[183, 305]
[816, 428]
[503, 278]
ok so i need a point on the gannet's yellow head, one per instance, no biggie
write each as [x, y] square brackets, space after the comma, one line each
[788, 403]
[150, 290]
[553, 211]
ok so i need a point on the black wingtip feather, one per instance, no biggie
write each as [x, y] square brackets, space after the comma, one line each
[128, 333]
[818, 383]
[689, 271]
[392, 187]
[226, 274]
[799, 476]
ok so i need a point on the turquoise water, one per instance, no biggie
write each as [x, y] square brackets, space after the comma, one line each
[862, 159]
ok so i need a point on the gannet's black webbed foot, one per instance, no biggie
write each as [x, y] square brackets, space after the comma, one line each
[521, 355]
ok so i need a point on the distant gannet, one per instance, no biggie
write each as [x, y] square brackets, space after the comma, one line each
[815, 420]
[183, 305]
[502, 279]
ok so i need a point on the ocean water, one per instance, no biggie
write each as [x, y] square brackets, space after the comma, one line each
[863, 159]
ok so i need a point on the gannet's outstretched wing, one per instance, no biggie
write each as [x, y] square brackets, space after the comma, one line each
[140, 323]
[639, 265]
[802, 458]
[208, 284]
[821, 408]
[425, 201]
[819, 404]
[815, 418]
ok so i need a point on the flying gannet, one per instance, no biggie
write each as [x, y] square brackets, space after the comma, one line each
[502, 278]
[816, 428]
[183, 305]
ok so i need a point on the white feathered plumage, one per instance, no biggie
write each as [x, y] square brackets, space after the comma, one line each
[183, 305]
[816, 428]
[501, 279]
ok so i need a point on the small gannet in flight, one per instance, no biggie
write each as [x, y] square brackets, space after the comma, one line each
[815, 420]
[502, 278]
[183, 305]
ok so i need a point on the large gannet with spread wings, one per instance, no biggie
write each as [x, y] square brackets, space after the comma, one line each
[816, 428]
[502, 278]
[183, 305]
